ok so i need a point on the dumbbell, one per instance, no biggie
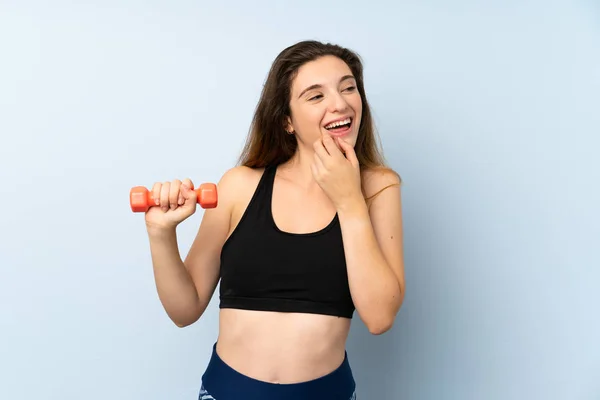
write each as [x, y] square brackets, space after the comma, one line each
[141, 199]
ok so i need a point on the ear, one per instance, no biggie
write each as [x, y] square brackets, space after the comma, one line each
[289, 127]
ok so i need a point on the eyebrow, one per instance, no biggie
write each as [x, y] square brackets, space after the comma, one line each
[317, 86]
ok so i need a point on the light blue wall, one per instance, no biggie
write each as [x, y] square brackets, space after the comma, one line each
[489, 110]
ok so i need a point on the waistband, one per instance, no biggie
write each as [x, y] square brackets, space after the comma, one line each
[225, 383]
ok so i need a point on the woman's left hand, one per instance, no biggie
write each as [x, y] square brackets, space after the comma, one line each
[338, 175]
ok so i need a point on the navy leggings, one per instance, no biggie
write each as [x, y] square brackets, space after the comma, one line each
[221, 382]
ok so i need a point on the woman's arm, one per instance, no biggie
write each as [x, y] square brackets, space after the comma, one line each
[373, 246]
[186, 287]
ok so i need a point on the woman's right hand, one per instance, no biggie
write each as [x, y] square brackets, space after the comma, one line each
[176, 201]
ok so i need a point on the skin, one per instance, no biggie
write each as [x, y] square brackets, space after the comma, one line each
[321, 179]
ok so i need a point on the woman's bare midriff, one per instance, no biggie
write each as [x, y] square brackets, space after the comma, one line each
[281, 347]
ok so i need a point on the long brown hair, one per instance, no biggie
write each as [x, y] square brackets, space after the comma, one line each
[269, 144]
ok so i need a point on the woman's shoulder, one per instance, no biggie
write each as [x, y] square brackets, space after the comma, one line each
[241, 173]
[376, 179]
[239, 179]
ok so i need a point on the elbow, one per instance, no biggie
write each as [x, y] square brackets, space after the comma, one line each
[181, 324]
[381, 327]
[185, 316]
[380, 318]
[383, 322]
[183, 321]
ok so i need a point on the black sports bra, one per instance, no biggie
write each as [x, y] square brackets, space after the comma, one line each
[264, 268]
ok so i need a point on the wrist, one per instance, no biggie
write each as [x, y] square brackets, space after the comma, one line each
[355, 206]
[160, 232]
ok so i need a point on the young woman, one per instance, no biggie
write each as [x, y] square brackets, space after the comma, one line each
[308, 229]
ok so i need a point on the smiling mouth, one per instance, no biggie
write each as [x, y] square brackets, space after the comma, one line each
[340, 128]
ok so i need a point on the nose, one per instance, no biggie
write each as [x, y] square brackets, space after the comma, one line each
[337, 103]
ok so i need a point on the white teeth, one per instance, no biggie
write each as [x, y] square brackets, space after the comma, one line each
[334, 124]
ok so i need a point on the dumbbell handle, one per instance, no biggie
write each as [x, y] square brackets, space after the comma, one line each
[141, 199]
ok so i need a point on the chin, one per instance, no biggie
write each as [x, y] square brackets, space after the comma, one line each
[351, 140]
[348, 137]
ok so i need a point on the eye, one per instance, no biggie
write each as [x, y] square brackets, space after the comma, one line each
[315, 97]
[350, 88]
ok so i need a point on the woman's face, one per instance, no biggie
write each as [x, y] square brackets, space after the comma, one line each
[325, 101]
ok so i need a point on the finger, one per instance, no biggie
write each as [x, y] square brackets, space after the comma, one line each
[315, 170]
[349, 151]
[156, 193]
[174, 194]
[190, 197]
[330, 146]
[164, 195]
[319, 165]
[320, 150]
[323, 136]
[186, 184]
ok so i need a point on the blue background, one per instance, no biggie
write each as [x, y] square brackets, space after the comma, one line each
[488, 110]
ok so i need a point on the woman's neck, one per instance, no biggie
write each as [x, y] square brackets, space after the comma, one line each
[298, 169]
